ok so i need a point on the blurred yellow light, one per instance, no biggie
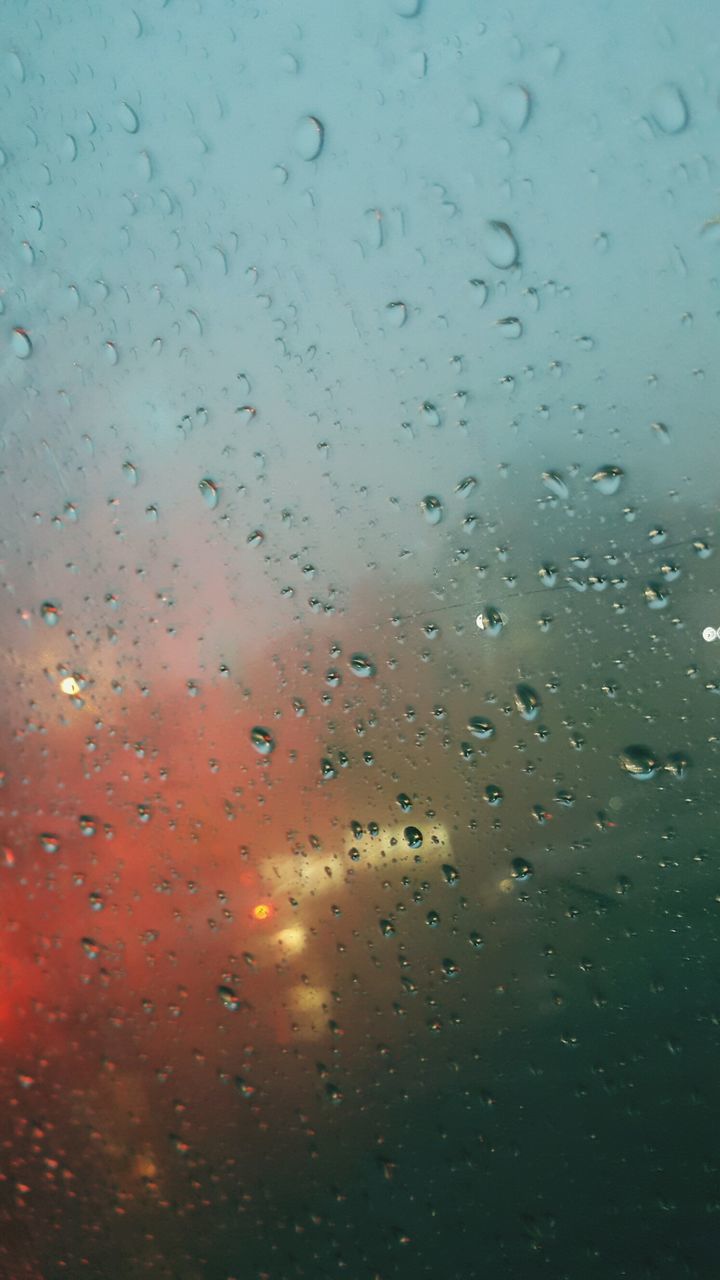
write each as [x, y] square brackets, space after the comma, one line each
[261, 911]
[291, 940]
[70, 686]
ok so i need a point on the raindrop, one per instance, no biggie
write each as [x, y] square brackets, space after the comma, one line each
[655, 596]
[128, 118]
[429, 414]
[21, 344]
[493, 794]
[527, 701]
[396, 313]
[228, 999]
[450, 874]
[50, 613]
[521, 869]
[481, 728]
[361, 665]
[514, 107]
[210, 492]
[640, 762]
[91, 948]
[501, 247]
[413, 837]
[480, 292]
[49, 843]
[130, 472]
[407, 8]
[432, 509]
[262, 740]
[387, 928]
[111, 353]
[489, 621]
[669, 109]
[555, 483]
[607, 480]
[510, 327]
[309, 138]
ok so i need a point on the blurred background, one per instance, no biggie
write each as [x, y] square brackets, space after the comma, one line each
[358, 824]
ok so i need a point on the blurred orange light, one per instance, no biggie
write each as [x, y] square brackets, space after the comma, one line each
[261, 911]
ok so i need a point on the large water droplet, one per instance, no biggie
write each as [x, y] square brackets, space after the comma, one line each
[21, 344]
[514, 107]
[669, 109]
[50, 613]
[309, 138]
[490, 621]
[432, 509]
[361, 665]
[527, 701]
[607, 480]
[481, 728]
[555, 483]
[128, 118]
[262, 740]
[501, 248]
[210, 492]
[414, 837]
[640, 762]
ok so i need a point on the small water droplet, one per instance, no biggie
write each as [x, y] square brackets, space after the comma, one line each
[128, 118]
[361, 665]
[493, 794]
[49, 843]
[501, 248]
[309, 138]
[21, 344]
[407, 8]
[396, 313]
[555, 483]
[510, 327]
[111, 353]
[489, 621]
[387, 928]
[527, 701]
[479, 292]
[514, 107]
[481, 728]
[413, 837]
[521, 869]
[432, 509]
[228, 998]
[50, 613]
[91, 948]
[607, 480]
[640, 762]
[669, 109]
[210, 492]
[131, 473]
[429, 414]
[262, 740]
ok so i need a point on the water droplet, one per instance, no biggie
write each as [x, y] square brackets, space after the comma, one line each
[262, 740]
[91, 948]
[489, 621]
[49, 843]
[97, 902]
[128, 118]
[414, 837]
[465, 487]
[521, 869]
[607, 480]
[510, 327]
[407, 8]
[450, 874]
[131, 473]
[396, 313]
[527, 701]
[429, 414]
[481, 728]
[309, 138]
[669, 109]
[228, 998]
[501, 248]
[361, 665]
[21, 344]
[640, 762]
[387, 928]
[493, 794]
[432, 509]
[480, 292]
[514, 107]
[88, 826]
[655, 596]
[50, 613]
[210, 492]
[555, 483]
[111, 353]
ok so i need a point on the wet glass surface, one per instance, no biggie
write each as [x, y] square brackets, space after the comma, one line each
[358, 823]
